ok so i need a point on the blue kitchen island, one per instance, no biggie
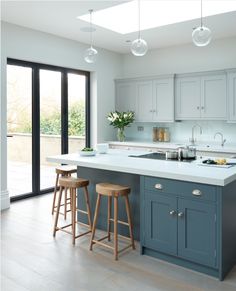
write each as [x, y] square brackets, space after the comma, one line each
[182, 213]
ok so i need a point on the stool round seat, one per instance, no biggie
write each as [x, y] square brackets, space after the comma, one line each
[71, 182]
[65, 170]
[109, 189]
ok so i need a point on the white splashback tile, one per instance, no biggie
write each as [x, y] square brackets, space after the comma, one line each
[182, 131]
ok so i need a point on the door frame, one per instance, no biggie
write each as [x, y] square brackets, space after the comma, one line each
[64, 117]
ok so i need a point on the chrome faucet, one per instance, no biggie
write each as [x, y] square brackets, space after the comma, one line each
[193, 139]
[223, 140]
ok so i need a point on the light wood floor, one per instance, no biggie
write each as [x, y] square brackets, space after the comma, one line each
[33, 260]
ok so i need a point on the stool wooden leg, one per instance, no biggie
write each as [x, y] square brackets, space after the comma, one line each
[57, 212]
[65, 203]
[95, 220]
[109, 218]
[88, 206]
[115, 228]
[55, 194]
[73, 214]
[129, 221]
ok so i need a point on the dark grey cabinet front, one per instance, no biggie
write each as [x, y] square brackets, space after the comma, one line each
[197, 231]
[180, 226]
[161, 223]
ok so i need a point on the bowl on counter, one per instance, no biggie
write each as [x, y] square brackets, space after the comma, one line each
[87, 152]
[102, 148]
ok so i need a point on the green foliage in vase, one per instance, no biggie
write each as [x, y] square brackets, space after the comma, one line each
[121, 119]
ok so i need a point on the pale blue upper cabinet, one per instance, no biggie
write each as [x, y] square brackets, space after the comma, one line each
[144, 101]
[163, 100]
[151, 99]
[201, 97]
[125, 96]
[232, 96]
[214, 97]
[187, 95]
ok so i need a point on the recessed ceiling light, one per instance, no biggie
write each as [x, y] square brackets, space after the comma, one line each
[123, 19]
[87, 29]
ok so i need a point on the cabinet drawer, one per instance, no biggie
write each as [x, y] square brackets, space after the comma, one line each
[181, 188]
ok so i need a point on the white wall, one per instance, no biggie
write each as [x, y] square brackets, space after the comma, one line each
[26, 44]
[220, 54]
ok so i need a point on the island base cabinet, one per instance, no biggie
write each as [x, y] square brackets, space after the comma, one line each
[180, 226]
[160, 223]
[197, 232]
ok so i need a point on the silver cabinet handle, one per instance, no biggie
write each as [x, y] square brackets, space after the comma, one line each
[172, 212]
[198, 107]
[158, 186]
[151, 110]
[197, 192]
[180, 214]
[202, 107]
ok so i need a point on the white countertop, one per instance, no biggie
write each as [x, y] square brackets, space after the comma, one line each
[119, 161]
[230, 148]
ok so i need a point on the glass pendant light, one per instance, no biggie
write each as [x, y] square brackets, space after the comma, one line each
[139, 46]
[201, 35]
[91, 53]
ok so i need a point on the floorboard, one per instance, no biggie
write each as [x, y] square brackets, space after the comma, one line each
[31, 259]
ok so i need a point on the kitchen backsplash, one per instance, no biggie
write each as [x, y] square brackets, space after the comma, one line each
[182, 131]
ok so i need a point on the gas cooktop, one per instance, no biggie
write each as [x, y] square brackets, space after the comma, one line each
[160, 156]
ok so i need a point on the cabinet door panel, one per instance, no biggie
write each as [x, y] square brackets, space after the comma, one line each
[125, 96]
[197, 232]
[232, 96]
[144, 101]
[160, 226]
[163, 100]
[188, 98]
[213, 97]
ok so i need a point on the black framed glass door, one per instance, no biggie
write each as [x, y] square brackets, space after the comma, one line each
[54, 120]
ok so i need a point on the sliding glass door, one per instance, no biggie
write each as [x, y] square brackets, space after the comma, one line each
[48, 114]
[19, 128]
[50, 124]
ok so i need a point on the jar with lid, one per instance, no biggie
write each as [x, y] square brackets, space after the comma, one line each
[155, 134]
[166, 134]
[161, 134]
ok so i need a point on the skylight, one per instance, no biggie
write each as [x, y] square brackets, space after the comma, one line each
[123, 18]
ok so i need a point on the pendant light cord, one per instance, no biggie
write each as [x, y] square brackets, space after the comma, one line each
[139, 19]
[91, 33]
[201, 13]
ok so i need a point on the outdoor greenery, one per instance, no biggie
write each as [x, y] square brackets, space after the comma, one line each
[51, 123]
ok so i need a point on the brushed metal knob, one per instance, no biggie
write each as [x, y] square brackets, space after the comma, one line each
[158, 186]
[196, 192]
[180, 214]
[172, 212]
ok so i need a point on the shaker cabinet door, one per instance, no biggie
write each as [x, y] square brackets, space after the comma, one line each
[163, 100]
[144, 102]
[213, 97]
[125, 96]
[197, 231]
[160, 223]
[188, 90]
[232, 96]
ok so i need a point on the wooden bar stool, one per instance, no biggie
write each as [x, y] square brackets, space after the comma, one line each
[64, 171]
[115, 191]
[72, 184]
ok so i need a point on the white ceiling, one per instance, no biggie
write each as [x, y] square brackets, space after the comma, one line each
[59, 18]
